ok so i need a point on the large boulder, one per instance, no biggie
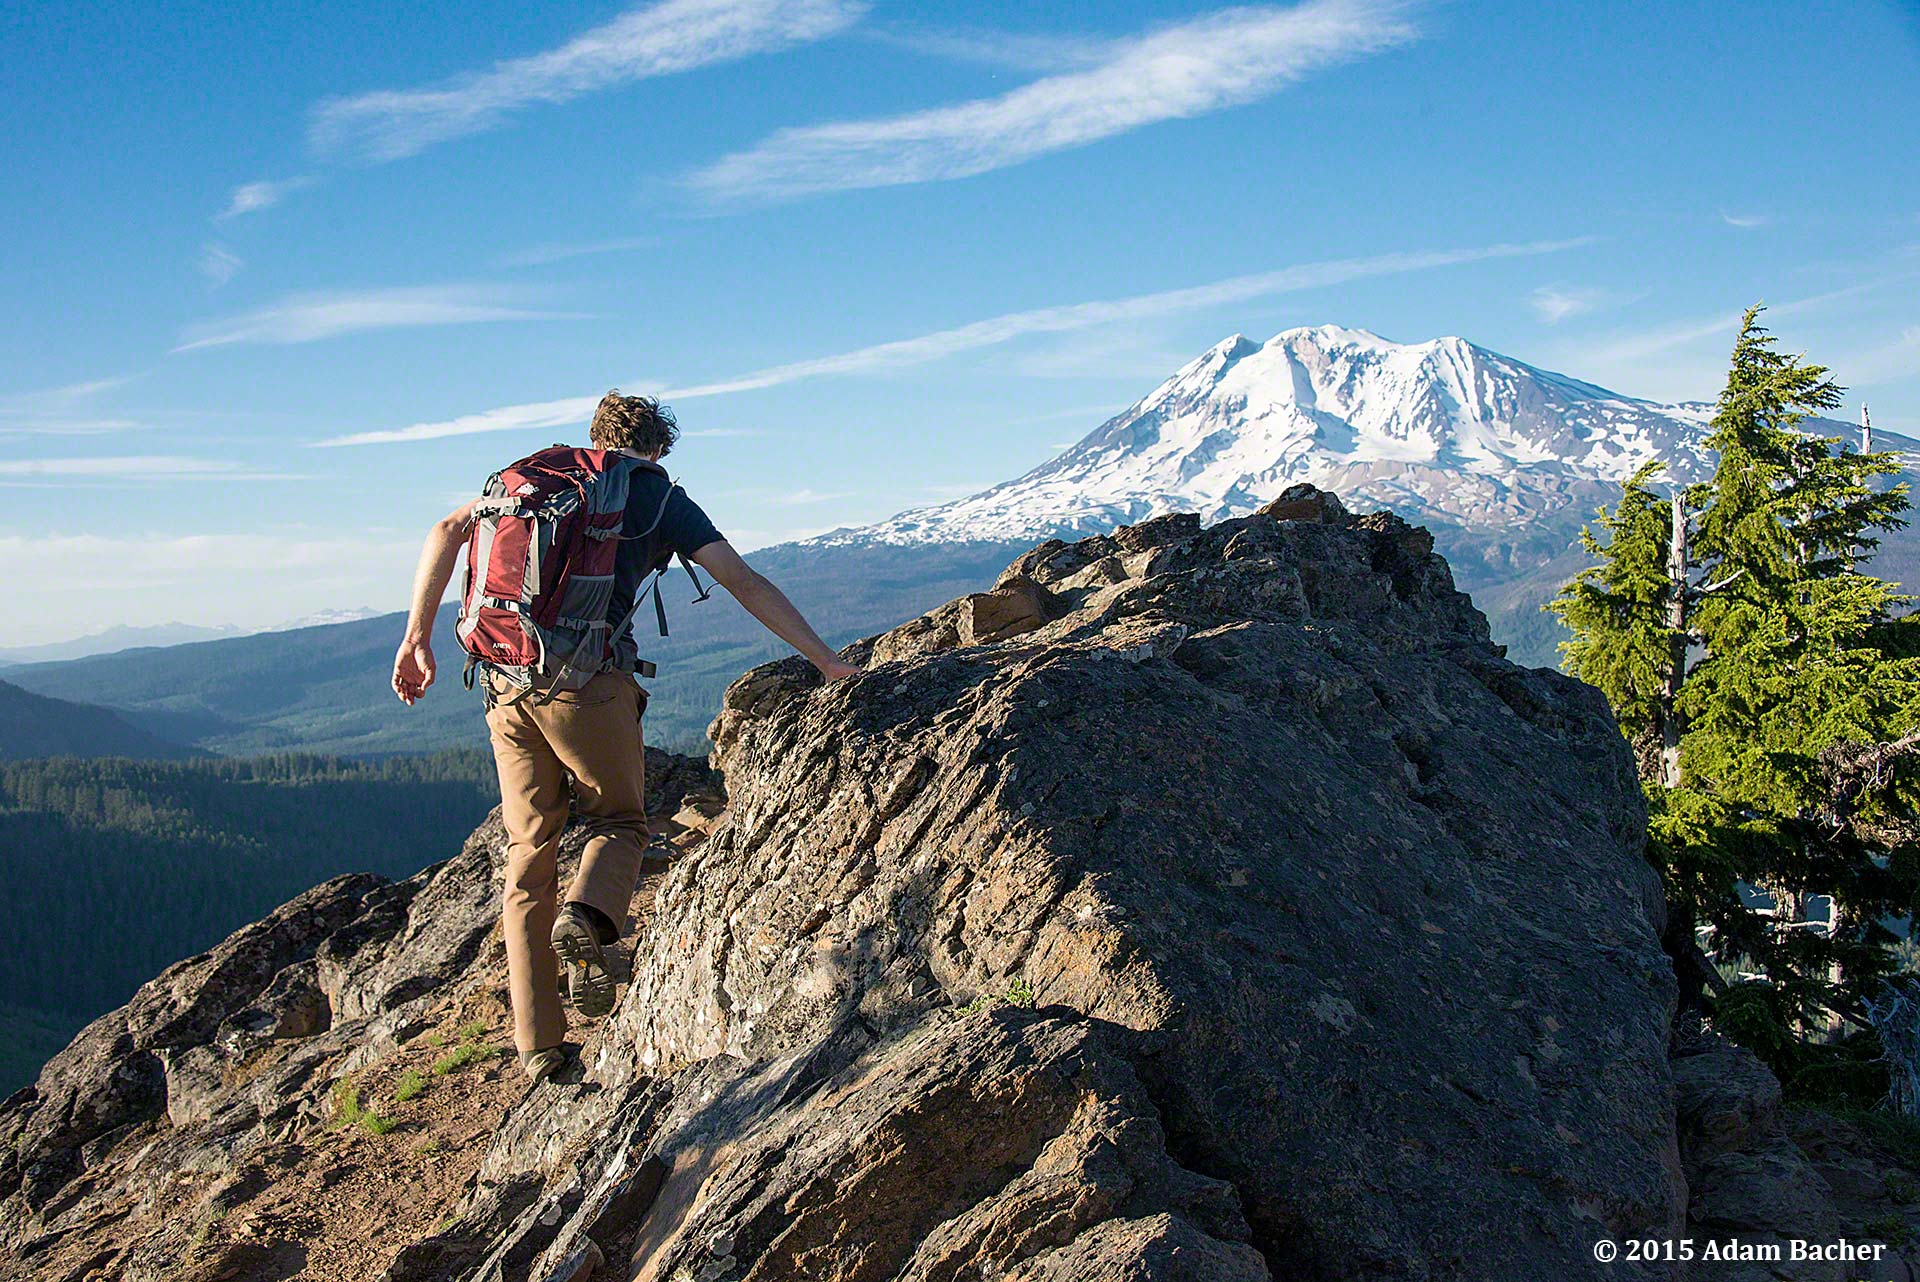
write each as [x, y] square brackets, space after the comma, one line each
[1366, 900]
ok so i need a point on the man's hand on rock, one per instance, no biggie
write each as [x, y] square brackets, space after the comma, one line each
[833, 668]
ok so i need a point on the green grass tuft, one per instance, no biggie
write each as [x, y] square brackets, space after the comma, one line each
[411, 1083]
[349, 1111]
[346, 1104]
[461, 1056]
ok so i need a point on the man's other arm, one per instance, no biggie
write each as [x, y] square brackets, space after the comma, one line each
[413, 665]
[767, 603]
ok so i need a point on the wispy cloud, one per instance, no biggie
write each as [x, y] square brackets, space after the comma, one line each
[1685, 359]
[1021, 51]
[1228, 58]
[655, 40]
[306, 318]
[1555, 303]
[1891, 362]
[1744, 221]
[787, 498]
[144, 468]
[72, 410]
[45, 400]
[507, 418]
[1073, 316]
[251, 198]
[980, 334]
[71, 425]
[541, 255]
[219, 264]
[1665, 338]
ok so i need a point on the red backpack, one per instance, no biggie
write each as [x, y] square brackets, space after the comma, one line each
[540, 571]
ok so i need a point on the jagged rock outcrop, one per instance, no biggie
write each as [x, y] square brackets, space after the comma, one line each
[237, 1050]
[1196, 903]
[1360, 901]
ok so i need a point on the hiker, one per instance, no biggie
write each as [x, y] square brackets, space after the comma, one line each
[556, 718]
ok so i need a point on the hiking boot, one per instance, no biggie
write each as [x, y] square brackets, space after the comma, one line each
[587, 976]
[555, 1063]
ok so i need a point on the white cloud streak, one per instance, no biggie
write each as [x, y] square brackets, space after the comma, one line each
[1746, 222]
[507, 418]
[1892, 362]
[1553, 304]
[542, 255]
[61, 411]
[656, 40]
[786, 498]
[307, 318]
[70, 426]
[1074, 316]
[155, 468]
[1223, 60]
[1018, 51]
[251, 198]
[219, 264]
[1684, 333]
[59, 397]
[980, 334]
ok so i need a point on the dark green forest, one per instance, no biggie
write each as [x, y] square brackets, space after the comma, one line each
[121, 867]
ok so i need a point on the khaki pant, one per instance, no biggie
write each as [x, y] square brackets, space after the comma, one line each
[592, 734]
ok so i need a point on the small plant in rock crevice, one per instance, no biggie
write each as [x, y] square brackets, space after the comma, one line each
[1018, 992]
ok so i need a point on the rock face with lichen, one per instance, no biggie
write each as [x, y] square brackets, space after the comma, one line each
[1359, 903]
[1206, 903]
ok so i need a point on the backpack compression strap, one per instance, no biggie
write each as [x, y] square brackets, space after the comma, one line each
[620, 630]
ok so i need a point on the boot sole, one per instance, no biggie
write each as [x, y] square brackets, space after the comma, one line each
[589, 980]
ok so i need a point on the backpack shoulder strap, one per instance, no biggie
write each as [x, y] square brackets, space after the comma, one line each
[705, 590]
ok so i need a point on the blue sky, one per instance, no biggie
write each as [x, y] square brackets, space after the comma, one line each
[281, 284]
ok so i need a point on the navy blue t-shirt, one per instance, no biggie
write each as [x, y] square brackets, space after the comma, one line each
[684, 529]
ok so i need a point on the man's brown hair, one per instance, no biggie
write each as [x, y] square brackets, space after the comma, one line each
[638, 423]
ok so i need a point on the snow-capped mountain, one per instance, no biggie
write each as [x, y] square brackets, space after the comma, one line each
[324, 618]
[1443, 432]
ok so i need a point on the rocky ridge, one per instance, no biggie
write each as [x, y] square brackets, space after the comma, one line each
[1195, 903]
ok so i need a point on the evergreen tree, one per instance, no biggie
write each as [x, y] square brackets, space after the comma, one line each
[1784, 687]
[1620, 612]
[1615, 609]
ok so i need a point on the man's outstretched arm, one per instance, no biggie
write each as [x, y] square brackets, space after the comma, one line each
[769, 604]
[413, 665]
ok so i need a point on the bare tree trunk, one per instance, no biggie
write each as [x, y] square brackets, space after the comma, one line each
[1676, 647]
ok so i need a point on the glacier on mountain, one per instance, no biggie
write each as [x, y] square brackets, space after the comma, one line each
[1441, 432]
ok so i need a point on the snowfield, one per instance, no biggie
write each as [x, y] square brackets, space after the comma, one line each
[1441, 431]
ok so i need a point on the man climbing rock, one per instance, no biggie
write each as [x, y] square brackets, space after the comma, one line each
[554, 654]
